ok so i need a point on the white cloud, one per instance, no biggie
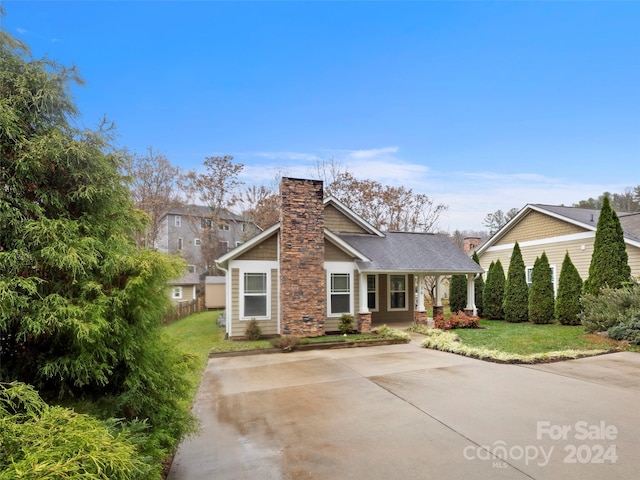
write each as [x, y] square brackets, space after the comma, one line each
[371, 153]
[22, 31]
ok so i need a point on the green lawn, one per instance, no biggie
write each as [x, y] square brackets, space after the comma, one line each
[528, 338]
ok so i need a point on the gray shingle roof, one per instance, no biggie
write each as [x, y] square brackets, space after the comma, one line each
[411, 252]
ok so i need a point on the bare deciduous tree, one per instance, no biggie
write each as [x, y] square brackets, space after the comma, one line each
[498, 219]
[153, 189]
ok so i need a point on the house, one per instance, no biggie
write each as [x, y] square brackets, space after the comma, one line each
[189, 232]
[322, 260]
[557, 230]
[184, 289]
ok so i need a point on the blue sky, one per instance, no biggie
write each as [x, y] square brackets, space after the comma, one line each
[481, 105]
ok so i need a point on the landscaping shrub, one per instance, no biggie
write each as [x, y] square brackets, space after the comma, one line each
[628, 330]
[456, 320]
[346, 323]
[541, 299]
[385, 331]
[287, 343]
[50, 442]
[516, 292]
[458, 293]
[494, 292]
[610, 307]
[567, 308]
[252, 331]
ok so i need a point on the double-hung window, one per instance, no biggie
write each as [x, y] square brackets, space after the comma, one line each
[372, 292]
[255, 295]
[397, 292]
[340, 296]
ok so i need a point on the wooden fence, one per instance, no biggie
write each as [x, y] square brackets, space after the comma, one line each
[182, 310]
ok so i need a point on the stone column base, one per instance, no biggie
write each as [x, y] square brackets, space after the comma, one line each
[438, 311]
[364, 322]
[419, 317]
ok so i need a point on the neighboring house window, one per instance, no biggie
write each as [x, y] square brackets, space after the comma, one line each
[372, 292]
[224, 247]
[397, 292]
[223, 226]
[178, 221]
[192, 269]
[176, 293]
[205, 223]
[238, 244]
[197, 242]
[180, 243]
[340, 301]
[255, 295]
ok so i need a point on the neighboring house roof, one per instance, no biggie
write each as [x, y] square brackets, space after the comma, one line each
[188, 279]
[586, 218]
[202, 211]
[411, 252]
[217, 280]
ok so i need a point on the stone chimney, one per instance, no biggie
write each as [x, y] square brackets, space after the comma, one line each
[303, 300]
[470, 244]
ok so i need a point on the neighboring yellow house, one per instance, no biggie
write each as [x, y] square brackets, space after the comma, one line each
[557, 230]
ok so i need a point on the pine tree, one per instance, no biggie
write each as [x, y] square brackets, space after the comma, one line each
[478, 287]
[458, 293]
[541, 299]
[516, 291]
[494, 292]
[609, 262]
[569, 287]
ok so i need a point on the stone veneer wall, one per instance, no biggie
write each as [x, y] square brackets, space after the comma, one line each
[302, 276]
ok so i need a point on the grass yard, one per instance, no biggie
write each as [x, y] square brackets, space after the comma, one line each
[528, 338]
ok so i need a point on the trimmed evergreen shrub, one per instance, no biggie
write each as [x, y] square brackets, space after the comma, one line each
[478, 287]
[516, 291]
[567, 308]
[609, 263]
[494, 292]
[541, 300]
[346, 323]
[458, 293]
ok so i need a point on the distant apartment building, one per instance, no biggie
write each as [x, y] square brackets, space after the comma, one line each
[190, 232]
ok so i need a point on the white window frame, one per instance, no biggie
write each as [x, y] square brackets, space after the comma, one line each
[242, 294]
[180, 243]
[197, 242]
[340, 268]
[176, 293]
[177, 221]
[191, 268]
[406, 292]
[224, 227]
[375, 291]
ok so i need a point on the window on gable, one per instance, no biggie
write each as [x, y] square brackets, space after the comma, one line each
[255, 295]
[178, 221]
[340, 301]
[372, 292]
[397, 292]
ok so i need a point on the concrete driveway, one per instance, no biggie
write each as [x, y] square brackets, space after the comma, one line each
[404, 412]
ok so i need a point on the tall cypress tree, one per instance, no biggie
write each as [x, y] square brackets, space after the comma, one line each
[609, 262]
[541, 299]
[569, 287]
[458, 293]
[516, 292]
[494, 292]
[478, 287]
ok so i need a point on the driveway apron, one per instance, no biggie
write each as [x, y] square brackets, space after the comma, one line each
[401, 411]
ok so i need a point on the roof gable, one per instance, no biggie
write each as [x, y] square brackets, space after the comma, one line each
[341, 219]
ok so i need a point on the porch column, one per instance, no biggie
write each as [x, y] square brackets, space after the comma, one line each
[364, 315]
[420, 313]
[471, 295]
[438, 309]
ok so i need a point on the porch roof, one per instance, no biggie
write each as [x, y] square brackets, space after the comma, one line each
[411, 252]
